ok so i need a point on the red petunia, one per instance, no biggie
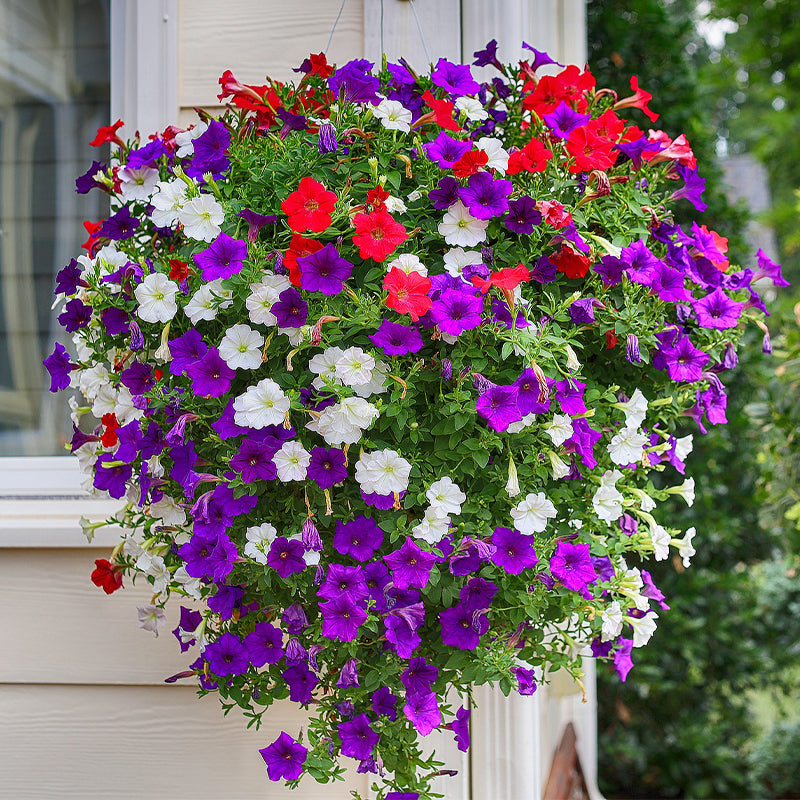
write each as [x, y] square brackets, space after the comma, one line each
[611, 340]
[109, 437]
[589, 151]
[299, 247]
[532, 158]
[377, 198]
[507, 278]
[377, 234]
[443, 111]
[554, 213]
[92, 228]
[572, 264]
[107, 576]
[309, 207]
[108, 133]
[178, 270]
[639, 99]
[408, 293]
[470, 163]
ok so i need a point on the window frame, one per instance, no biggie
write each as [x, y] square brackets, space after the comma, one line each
[41, 497]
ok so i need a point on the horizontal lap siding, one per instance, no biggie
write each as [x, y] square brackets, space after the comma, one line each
[84, 712]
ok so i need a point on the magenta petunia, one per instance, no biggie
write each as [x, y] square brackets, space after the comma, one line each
[286, 556]
[572, 565]
[462, 626]
[513, 550]
[498, 406]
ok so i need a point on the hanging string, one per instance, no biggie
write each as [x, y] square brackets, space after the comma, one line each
[333, 29]
[421, 35]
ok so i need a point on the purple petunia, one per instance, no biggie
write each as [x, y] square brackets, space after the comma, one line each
[291, 311]
[264, 644]
[572, 565]
[683, 361]
[286, 556]
[111, 479]
[396, 339]
[460, 727]
[423, 712]
[445, 150]
[210, 152]
[76, 315]
[343, 581]
[253, 461]
[255, 222]
[513, 550]
[185, 350]
[59, 366]
[223, 258]
[341, 618]
[188, 623]
[522, 216]
[485, 197]
[455, 79]
[302, 682]
[226, 656]
[717, 310]
[210, 375]
[385, 703]
[359, 538]
[498, 406]
[327, 466]
[456, 311]
[357, 737]
[284, 758]
[463, 626]
[563, 120]
[324, 271]
[410, 565]
[445, 194]
[122, 225]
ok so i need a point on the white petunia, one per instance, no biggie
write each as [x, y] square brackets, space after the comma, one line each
[261, 405]
[263, 296]
[126, 411]
[354, 367]
[160, 574]
[334, 428]
[456, 258]
[408, 263]
[358, 411]
[259, 538]
[607, 501]
[612, 621]
[643, 628]
[92, 380]
[105, 401]
[377, 383]
[498, 157]
[394, 116]
[685, 490]
[323, 365]
[559, 466]
[686, 548]
[626, 446]
[382, 472]
[137, 184]
[167, 202]
[559, 429]
[156, 297]
[206, 302]
[185, 139]
[201, 218]
[460, 228]
[151, 618]
[661, 540]
[168, 511]
[192, 586]
[472, 108]
[531, 515]
[519, 425]
[634, 409]
[433, 527]
[292, 461]
[240, 348]
[684, 446]
[394, 205]
[445, 496]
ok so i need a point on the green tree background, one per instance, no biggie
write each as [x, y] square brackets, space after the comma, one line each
[695, 717]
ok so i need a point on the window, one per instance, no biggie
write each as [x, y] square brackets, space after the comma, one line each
[54, 92]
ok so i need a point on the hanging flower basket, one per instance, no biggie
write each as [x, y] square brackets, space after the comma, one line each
[392, 372]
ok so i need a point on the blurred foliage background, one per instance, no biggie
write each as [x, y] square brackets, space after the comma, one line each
[711, 708]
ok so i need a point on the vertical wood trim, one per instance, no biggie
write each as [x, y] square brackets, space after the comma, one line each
[144, 64]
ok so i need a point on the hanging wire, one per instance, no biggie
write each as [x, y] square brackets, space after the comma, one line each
[421, 35]
[333, 29]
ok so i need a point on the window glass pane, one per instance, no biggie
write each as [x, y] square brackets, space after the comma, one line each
[54, 94]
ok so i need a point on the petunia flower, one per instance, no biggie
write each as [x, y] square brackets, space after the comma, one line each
[309, 207]
[377, 234]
